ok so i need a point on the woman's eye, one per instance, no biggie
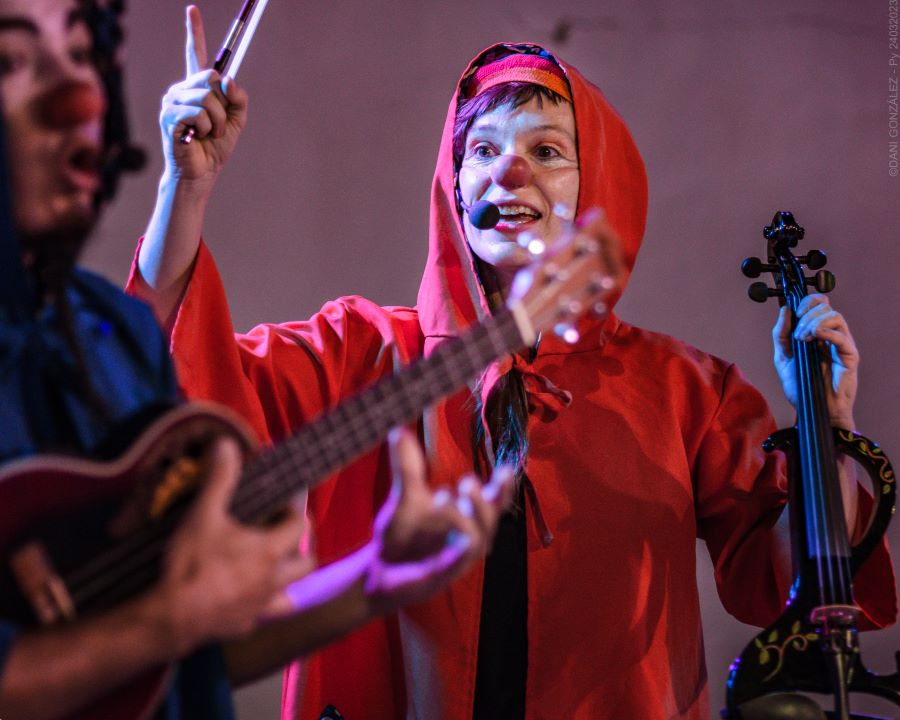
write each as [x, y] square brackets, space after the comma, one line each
[11, 62]
[483, 151]
[81, 55]
[546, 151]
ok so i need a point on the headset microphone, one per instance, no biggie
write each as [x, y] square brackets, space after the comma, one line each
[484, 214]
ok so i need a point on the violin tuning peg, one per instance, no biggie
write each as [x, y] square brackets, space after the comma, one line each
[814, 259]
[823, 281]
[760, 292]
[567, 332]
[751, 267]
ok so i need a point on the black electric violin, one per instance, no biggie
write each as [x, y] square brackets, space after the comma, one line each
[814, 646]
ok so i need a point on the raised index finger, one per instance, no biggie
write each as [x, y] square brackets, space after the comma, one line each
[195, 45]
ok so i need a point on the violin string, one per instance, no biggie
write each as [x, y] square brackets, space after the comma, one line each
[812, 471]
[808, 461]
[823, 491]
[820, 478]
[816, 477]
[838, 565]
[838, 522]
[807, 472]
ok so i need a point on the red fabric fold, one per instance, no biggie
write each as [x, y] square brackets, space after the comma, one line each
[639, 444]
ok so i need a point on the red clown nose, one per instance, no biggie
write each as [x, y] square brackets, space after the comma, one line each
[71, 104]
[510, 172]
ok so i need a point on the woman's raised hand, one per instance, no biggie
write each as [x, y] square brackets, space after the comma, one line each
[216, 109]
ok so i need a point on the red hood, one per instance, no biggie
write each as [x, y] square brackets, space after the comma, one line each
[612, 178]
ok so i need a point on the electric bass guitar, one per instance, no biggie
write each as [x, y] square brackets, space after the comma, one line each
[79, 537]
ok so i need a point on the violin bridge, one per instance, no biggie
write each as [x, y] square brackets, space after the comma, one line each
[834, 615]
[39, 582]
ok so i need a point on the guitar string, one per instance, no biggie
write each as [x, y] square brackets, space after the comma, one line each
[139, 552]
[362, 433]
[448, 369]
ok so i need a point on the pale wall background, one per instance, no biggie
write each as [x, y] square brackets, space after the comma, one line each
[739, 109]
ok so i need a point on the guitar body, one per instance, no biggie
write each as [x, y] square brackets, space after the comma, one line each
[78, 536]
[59, 514]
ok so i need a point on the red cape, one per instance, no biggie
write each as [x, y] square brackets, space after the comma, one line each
[660, 445]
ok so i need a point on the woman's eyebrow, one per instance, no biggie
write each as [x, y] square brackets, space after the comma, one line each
[19, 23]
[551, 126]
[483, 127]
[492, 127]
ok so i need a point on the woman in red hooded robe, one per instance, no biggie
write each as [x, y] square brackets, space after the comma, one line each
[631, 444]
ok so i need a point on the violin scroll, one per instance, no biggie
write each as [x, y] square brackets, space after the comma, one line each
[784, 229]
[784, 233]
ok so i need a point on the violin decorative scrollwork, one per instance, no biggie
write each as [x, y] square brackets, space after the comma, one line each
[814, 646]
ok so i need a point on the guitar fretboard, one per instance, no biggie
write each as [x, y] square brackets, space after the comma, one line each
[358, 424]
[336, 438]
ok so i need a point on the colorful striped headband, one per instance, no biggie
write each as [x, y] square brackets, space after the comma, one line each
[520, 68]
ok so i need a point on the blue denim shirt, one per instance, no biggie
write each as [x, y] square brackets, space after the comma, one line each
[42, 409]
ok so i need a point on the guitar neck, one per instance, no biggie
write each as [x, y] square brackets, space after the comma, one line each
[540, 298]
[341, 435]
[272, 478]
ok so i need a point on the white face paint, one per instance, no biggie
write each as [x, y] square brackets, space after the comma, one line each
[525, 161]
[54, 145]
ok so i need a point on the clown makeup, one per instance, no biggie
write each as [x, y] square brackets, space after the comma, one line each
[53, 105]
[524, 160]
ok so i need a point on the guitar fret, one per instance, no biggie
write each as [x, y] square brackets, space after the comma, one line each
[313, 453]
[340, 435]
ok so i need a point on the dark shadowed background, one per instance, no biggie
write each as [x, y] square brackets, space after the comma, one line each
[739, 109]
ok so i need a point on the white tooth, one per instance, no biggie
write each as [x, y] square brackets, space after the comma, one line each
[517, 210]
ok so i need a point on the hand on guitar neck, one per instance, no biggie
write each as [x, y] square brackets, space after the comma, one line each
[224, 581]
[422, 540]
[219, 577]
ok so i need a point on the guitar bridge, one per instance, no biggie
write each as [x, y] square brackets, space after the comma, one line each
[39, 582]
